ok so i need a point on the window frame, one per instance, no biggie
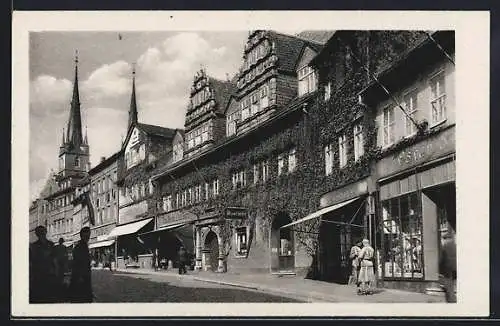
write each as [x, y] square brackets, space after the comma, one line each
[433, 98]
[389, 126]
[359, 141]
[342, 139]
[408, 96]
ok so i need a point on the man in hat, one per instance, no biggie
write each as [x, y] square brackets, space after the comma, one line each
[366, 273]
[81, 285]
[42, 268]
[355, 250]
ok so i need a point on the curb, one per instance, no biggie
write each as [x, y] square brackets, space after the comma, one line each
[309, 297]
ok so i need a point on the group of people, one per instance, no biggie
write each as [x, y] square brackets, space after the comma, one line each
[48, 266]
[362, 256]
[183, 260]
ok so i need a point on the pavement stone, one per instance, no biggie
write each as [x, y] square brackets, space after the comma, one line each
[296, 286]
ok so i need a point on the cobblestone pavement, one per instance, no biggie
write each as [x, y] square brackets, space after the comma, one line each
[129, 287]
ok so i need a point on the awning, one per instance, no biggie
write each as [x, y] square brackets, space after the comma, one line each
[321, 212]
[100, 244]
[69, 244]
[165, 228]
[129, 228]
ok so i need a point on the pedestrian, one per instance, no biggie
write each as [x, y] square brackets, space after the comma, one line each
[110, 261]
[182, 260]
[354, 256]
[81, 284]
[42, 269]
[448, 265]
[61, 254]
[155, 259]
[366, 273]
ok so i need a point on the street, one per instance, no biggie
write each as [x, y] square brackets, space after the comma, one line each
[128, 287]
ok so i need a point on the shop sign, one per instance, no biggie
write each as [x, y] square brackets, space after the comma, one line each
[130, 213]
[350, 191]
[426, 150]
[174, 216]
[236, 212]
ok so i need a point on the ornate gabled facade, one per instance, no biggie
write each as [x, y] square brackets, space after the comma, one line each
[268, 77]
[205, 120]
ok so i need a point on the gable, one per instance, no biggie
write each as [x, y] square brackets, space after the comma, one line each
[177, 139]
[307, 55]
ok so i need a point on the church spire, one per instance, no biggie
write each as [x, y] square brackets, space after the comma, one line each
[63, 140]
[132, 113]
[74, 132]
[85, 140]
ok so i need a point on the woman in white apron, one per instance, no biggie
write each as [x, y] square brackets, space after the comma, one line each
[366, 273]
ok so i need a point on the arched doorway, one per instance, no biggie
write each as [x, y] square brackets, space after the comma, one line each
[282, 245]
[211, 252]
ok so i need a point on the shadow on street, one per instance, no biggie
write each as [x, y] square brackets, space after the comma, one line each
[116, 287]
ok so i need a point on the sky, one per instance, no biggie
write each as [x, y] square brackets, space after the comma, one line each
[165, 65]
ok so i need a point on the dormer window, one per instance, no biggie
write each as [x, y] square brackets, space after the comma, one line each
[307, 80]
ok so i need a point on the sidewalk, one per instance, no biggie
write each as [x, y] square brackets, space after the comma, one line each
[297, 287]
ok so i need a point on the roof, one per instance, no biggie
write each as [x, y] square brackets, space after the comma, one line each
[181, 132]
[320, 37]
[410, 63]
[223, 91]
[156, 130]
[292, 106]
[105, 163]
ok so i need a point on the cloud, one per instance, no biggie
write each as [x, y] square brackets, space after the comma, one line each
[164, 73]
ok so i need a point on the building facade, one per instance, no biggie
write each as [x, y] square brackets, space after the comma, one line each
[104, 200]
[145, 148]
[415, 169]
[36, 217]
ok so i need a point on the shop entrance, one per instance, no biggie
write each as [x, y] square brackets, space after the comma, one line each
[211, 252]
[282, 245]
[338, 232]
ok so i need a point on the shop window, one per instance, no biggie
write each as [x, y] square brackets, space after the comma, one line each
[410, 106]
[358, 142]
[438, 99]
[241, 241]
[402, 236]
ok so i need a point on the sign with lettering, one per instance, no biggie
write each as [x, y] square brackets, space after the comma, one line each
[411, 156]
[175, 216]
[236, 212]
[350, 191]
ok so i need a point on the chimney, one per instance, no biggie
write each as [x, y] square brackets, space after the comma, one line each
[103, 158]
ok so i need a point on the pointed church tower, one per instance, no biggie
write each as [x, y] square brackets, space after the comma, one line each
[132, 112]
[74, 152]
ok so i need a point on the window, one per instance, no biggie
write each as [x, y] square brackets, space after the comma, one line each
[402, 237]
[358, 142]
[108, 197]
[281, 164]
[265, 170]
[388, 126]
[438, 99]
[328, 91]
[151, 187]
[231, 123]
[245, 110]
[264, 98]
[328, 159]
[292, 161]
[241, 241]
[410, 106]
[190, 196]
[255, 104]
[215, 187]
[177, 200]
[207, 194]
[77, 161]
[307, 80]
[342, 150]
[167, 203]
[256, 169]
[239, 179]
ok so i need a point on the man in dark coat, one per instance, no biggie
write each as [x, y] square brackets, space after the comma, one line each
[42, 269]
[448, 265]
[62, 261]
[182, 260]
[81, 284]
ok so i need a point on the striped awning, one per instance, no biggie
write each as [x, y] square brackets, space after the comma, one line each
[100, 244]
